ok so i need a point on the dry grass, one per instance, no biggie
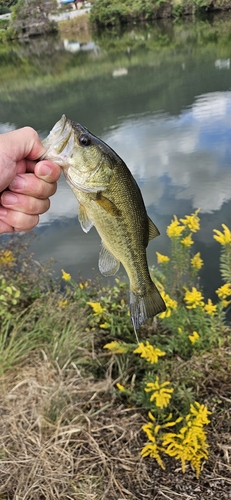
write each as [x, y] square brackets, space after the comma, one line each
[63, 436]
[79, 28]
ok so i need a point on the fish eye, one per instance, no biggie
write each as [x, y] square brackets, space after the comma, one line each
[85, 140]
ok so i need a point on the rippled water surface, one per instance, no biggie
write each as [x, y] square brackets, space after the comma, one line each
[160, 96]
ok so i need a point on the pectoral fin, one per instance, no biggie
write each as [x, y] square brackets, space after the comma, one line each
[107, 205]
[108, 264]
[153, 231]
[84, 220]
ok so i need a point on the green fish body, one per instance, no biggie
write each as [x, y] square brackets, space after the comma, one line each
[110, 199]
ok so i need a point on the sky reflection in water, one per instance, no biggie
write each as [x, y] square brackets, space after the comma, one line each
[181, 159]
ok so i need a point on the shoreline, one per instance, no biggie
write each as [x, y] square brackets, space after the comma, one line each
[108, 13]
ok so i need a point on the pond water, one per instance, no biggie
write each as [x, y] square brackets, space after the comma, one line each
[160, 95]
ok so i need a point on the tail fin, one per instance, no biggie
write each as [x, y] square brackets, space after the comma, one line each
[144, 307]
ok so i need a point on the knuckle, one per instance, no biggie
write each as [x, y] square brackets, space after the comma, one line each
[26, 222]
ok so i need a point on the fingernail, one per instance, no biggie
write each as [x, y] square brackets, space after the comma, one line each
[18, 182]
[44, 170]
[3, 212]
[8, 198]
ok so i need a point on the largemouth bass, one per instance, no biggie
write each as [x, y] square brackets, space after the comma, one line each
[110, 199]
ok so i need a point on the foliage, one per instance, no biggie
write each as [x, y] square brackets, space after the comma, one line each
[89, 324]
[5, 6]
[188, 326]
[111, 12]
[30, 18]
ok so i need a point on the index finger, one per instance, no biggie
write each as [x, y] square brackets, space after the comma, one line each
[22, 143]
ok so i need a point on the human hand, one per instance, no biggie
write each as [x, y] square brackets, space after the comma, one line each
[25, 186]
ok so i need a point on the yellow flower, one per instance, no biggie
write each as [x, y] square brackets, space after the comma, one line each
[120, 387]
[162, 259]
[194, 337]
[97, 308]
[170, 305]
[6, 257]
[210, 308]
[161, 393]
[152, 450]
[65, 276]
[225, 303]
[83, 285]
[105, 325]
[200, 414]
[150, 353]
[187, 241]
[190, 443]
[196, 261]
[116, 347]
[192, 221]
[193, 298]
[223, 238]
[174, 229]
[63, 303]
[224, 291]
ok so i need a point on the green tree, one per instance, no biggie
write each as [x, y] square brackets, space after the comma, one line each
[30, 17]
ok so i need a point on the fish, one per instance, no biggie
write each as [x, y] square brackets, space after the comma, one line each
[110, 199]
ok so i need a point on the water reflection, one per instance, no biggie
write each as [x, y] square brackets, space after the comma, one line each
[192, 152]
[160, 96]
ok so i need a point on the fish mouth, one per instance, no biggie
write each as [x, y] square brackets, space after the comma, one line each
[59, 143]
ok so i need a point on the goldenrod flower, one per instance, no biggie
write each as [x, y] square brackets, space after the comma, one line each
[161, 393]
[120, 387]
[97, 308]
[194, 337]
[170, 305]
[174, 229]
[83, 285]
[6, 257]
[63, 303]
[150, 353]
[196, 261]
[105, 325]
[190, 443]
[223, 238]
[224, 291]
[210, 308]
[194, 298]
[225, 303]
[152, 450]
[200, 414]
[162, 259]
[187, 241]
[65, 276]
[192, 221]
[116, 347]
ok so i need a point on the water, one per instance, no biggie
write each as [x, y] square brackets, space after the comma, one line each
[159, 95]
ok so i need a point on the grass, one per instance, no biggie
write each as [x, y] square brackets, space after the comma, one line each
[67, 431]
[76, 27]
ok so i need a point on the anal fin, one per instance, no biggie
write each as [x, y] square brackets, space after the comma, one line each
[153, 231]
